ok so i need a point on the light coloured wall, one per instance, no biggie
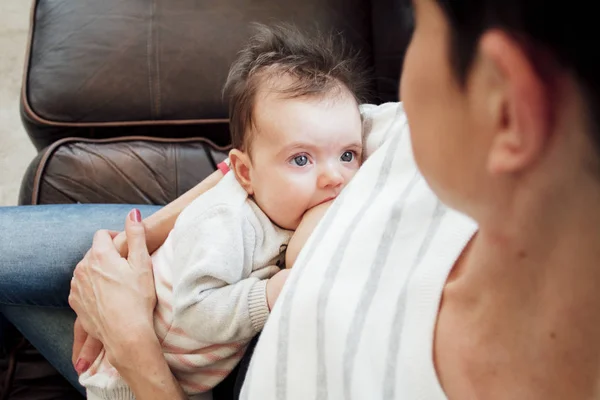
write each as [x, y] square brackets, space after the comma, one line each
[16, 151]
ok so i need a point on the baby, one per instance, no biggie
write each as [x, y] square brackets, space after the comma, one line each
[297, 140]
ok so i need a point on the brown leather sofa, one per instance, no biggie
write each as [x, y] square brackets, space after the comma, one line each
[123, 98]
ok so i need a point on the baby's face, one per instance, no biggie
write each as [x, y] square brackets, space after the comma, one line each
[304, 151]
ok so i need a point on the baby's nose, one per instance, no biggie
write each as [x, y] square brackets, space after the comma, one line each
[331, 178]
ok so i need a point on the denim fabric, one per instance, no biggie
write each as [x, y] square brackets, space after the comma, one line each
[39, 248]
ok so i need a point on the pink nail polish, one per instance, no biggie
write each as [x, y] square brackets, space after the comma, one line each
[81, 366]
[135, 215]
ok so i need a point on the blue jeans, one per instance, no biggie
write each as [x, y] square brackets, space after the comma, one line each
[39, 248]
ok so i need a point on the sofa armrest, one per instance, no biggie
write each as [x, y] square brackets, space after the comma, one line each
[131, 170]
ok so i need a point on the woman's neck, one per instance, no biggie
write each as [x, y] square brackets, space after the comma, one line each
[529, 287]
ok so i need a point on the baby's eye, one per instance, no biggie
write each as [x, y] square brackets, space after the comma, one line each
[348, 156]
[300, 160]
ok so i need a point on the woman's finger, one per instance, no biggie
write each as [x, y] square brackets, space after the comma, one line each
[79, 337]
[103, 248]
[136, 240]
[88, 354]
[120, 242]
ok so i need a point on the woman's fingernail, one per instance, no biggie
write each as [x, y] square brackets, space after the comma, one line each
[81, 366]
[135, 215]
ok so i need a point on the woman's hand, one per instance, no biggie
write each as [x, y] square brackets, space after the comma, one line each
[114, 297]
[86, 348]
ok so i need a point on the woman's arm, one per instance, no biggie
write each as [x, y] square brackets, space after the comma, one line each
[159, 224]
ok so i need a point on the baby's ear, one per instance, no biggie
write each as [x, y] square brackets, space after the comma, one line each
[241, 166]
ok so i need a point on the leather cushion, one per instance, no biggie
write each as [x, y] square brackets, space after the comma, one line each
[131, 170]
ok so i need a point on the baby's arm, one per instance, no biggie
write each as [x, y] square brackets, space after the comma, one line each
[305, 229]
[215, 298]
[159, 224]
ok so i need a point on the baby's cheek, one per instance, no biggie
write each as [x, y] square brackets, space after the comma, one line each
[284, 215]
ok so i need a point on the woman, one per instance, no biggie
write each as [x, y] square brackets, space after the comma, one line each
[397, 296]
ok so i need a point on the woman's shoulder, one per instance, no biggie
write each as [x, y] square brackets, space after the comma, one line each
[380, 123]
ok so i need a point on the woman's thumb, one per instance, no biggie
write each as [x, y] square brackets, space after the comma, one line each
[136, 239]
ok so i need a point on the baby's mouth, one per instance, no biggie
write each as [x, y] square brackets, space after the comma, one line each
[326, 200]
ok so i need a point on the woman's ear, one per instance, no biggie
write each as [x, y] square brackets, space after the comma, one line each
[521, 108]
[241, 166]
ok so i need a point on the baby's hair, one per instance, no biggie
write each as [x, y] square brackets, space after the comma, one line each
[318, 65]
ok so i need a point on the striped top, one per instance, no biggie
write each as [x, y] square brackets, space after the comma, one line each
[356, 318]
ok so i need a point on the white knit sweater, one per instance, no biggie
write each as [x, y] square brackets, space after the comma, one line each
[210, 277]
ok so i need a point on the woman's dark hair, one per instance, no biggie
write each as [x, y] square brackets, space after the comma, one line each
[566, 31]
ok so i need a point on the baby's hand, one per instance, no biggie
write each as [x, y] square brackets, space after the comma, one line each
[274, 286]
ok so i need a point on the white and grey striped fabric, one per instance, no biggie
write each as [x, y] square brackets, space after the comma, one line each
[357, 315]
